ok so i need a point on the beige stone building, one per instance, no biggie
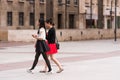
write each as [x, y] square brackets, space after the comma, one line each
[19, 14]
[74, 19]
[88, 14]
[67, 14]
[91, 10]
[109, 14]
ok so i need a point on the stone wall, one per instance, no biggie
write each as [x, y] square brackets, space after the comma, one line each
[88, 34]
[3, 35]
[21, 35]
[62, 35]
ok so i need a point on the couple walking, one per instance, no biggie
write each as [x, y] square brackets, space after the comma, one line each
[46, 48]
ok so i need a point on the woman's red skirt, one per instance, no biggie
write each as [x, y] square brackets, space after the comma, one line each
[53, 49]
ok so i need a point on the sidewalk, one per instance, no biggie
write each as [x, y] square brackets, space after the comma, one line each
[82, 60]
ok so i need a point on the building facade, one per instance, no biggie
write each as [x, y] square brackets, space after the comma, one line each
[66, 14]
[109, 14]
[19, 14]
[74, 19]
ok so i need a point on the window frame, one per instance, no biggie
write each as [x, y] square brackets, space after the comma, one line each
[21, 18]
[9, 18]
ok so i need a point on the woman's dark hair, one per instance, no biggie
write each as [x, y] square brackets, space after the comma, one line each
[41, 24]
[50, 21]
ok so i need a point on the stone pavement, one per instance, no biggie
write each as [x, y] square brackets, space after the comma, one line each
[82, 60]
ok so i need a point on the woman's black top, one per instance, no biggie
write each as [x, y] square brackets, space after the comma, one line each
[51, 35]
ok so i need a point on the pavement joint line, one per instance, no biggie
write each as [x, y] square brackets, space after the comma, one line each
[24, 64]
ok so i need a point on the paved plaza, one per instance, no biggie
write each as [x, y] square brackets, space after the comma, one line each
[81, 60]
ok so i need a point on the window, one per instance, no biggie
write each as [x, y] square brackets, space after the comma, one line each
[59, 1]
[21, 0]
[41, 0]
[90, 23]
[9, 18]
[9, 0]
[32, 19]
[21, 18]
[87, 4]
[71, 21]
[68, 1]
[31, 1]
[118, 21]
[59, 21]
[76, 2]
[109, 24]
[42, 16]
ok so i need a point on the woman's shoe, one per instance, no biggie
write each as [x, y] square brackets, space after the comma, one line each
[29, 71]
[60, 71]
[49, 70]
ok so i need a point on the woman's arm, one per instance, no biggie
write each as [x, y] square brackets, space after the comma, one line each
[36, 37]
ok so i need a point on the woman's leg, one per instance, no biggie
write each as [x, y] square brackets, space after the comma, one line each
[45, 66]
[56, 62]
[47, 61]
[35, 60]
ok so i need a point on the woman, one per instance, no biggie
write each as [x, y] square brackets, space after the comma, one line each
[51, 36]
[41, 46]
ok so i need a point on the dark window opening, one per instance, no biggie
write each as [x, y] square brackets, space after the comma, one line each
[109, 24]
[59, 21]
[31, 19]
[41, 0]
[76, 2]
[42, 16]
[68, 2]
[9, 18]
[90, 23]
[71, 21]
[21, 18]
